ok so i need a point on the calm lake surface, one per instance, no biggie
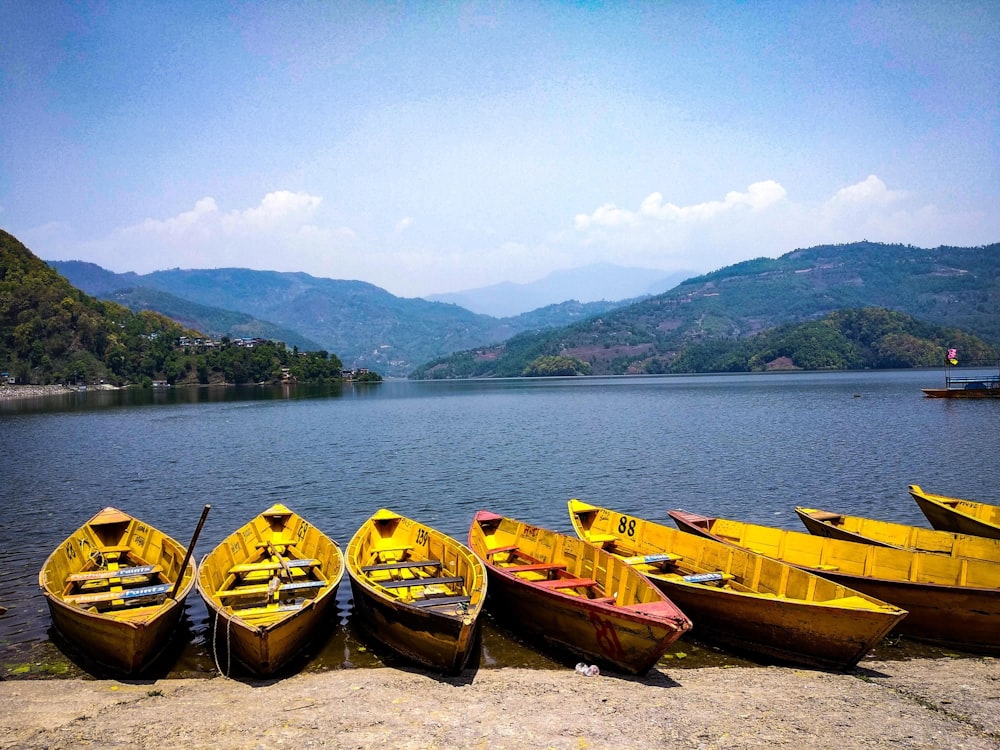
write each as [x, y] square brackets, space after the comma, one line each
[742, 446]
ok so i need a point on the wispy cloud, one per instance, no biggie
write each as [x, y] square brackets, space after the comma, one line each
[280, 233]
[759, 196]
[281, 210]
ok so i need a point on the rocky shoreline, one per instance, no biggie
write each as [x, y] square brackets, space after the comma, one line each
[10, 392]
[913, 705]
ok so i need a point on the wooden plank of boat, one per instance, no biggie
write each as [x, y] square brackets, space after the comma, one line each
[269, 587]
[418, 591]
[958, 514]
[742, 600]
[954, 601]
[122, 595]
[898, 535]
[136, 571]
[574, 596]
[124, 629]
[267, 566]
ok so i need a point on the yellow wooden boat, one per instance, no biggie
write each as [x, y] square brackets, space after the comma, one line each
[267, 587]
[958, 515]
[116, 589]
[574, 596]
[741, 599]
[418, 590]
[898, 535]
[954, 601]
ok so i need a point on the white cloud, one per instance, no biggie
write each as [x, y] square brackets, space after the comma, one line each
[759, 196]
[763, 220]
[279, 209]
[871, 191]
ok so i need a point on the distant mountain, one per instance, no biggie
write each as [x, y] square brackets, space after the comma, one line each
[364, 325]
[126, 289]
[597, 282]
[946, 286]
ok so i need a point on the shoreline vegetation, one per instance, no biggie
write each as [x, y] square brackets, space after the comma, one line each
[911, 704]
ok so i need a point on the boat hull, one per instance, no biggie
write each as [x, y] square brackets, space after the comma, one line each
[266, 631]
[900, 536]
[444, 644]
[961, 392]
[766, 607]
[958, 515]
[434, 624]
[628, 625]
[125, 639]
[950, 601]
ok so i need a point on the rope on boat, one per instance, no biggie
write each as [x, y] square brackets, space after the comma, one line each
[215, 638]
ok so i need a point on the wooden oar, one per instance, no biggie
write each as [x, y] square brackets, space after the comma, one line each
[190, 551]
[272, 550]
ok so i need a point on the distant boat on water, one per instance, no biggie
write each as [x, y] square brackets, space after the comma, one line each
[970, 384]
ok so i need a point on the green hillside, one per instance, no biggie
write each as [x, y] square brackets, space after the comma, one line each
[51, 332]
[957, 288]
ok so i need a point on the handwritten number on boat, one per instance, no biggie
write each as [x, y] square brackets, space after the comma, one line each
[422, 537]
[607, 638]
[627, 526]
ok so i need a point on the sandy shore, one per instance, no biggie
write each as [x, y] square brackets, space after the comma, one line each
[924, 703]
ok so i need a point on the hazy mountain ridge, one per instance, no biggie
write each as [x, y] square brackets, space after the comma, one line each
[363, 324]
[598, 282]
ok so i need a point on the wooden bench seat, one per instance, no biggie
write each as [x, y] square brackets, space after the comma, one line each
[102, 575]
[658, 558]
[601, 538]
[402, 565]
[441, 601]
[568, 583]
[533, 567]
[265, 589]
[825, 515]
[414, 582]
[498, 550]
[268, 565]
[397, 549]
[265, 611]
[142, 592]
[708, 577]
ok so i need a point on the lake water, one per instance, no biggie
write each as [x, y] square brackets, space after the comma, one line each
[742, 446]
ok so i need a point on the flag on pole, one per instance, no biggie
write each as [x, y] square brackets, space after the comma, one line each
[952, 356]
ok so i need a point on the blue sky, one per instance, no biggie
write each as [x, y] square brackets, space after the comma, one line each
[436, 147]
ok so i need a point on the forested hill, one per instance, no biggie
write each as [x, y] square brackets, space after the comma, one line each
[51, 332]
[957, 288]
